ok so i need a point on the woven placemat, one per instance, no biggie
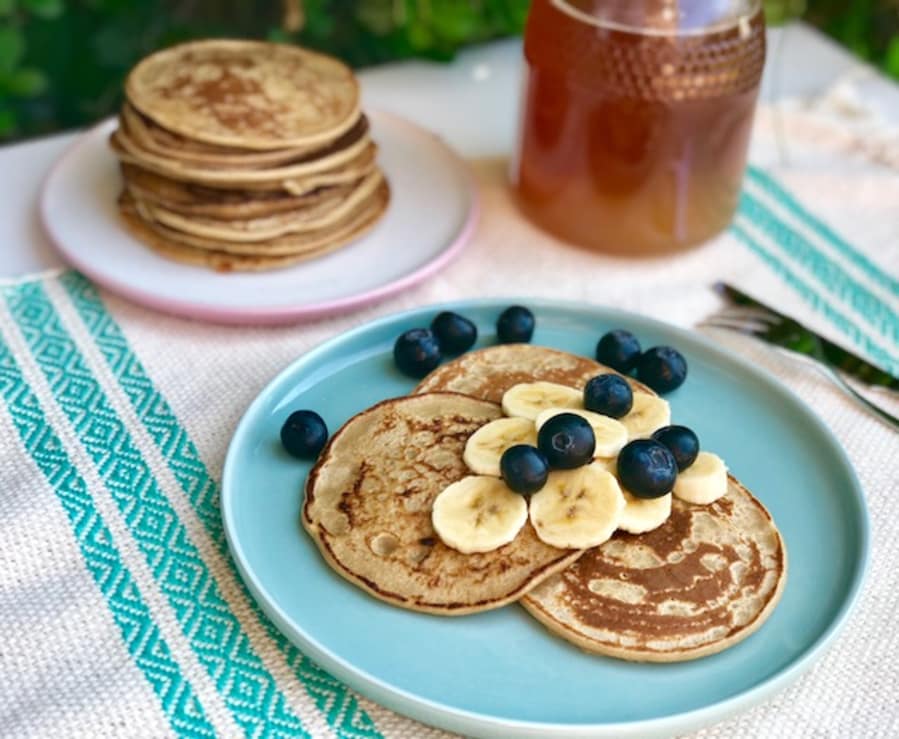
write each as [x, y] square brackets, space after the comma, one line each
[121, 612]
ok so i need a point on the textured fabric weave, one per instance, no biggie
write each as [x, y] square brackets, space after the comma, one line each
[121, 612]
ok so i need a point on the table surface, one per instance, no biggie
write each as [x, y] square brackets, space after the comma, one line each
[471, 102]
[122, 355]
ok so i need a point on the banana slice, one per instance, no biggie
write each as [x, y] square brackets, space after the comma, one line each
[648, 414]
[610, 434]
[640, 514]
[527, 399]
[704, 481]
[485, 446]
[478, 514]
[577, 509]
[644, 514]
[609, 464]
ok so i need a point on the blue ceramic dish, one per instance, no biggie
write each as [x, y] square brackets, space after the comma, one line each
[500, 673]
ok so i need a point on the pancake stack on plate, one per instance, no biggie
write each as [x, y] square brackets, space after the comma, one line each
[245, 155]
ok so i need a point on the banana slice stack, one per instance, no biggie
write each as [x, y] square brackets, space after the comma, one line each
[575, 509]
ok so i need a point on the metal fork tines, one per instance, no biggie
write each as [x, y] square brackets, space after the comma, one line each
[744, 319]
[797, 341]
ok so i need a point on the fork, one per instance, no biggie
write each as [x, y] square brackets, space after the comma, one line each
[747, 316]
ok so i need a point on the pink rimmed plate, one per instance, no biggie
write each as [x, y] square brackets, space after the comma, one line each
[432, 214]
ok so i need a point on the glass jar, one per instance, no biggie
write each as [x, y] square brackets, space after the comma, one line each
[636, 119]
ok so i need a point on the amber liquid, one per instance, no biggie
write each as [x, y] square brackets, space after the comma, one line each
[634, 143]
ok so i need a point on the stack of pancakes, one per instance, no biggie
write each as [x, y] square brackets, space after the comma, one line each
[703, 581]
[244, 155]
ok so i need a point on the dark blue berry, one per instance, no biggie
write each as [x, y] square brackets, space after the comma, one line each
[303, 434]
[663, 368]
[515, 325]
[609, 395]
[417, 352]
[647, 468]
[681, 442]
[455, 333]
[567, 441]
[619, 349]
[524, 468]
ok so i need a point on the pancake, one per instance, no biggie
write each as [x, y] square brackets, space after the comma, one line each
[246, 94]
[288, 244]
[208, 196]
[137, 138]
[488, 373]
[368, 508]
[157, 140]
[350, 171]
[127, 150]
[250, 230]
[169, 243]
[205, 202]
[703, 581]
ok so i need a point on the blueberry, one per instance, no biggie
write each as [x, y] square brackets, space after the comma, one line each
[647, 468]
[455, 333]
[619, 349]
[515, 325]
[417, 352]
[567, 441]
[681, 442]
[609, 395]
[663, 368]
[524, 468]
[303, 434]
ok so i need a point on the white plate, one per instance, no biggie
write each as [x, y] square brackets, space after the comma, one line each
[432, 213]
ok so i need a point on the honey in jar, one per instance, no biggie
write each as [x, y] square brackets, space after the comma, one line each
[636, 119]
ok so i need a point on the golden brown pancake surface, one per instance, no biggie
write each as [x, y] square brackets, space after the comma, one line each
[703, 581]
[247, 94]
[487, 373]
[368, 508]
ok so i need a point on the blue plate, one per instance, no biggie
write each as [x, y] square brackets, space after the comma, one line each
[500, 672]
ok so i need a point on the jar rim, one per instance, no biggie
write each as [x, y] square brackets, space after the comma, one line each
[740, 15]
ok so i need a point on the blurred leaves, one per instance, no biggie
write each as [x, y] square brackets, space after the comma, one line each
[62, 62]
[891, 62]
[778, 12]
[375, 31]
[17, 79]
[12, 47]
[869, 28]
[44, 8]
[24, 82]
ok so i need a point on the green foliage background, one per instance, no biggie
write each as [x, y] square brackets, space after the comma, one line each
[62, 61]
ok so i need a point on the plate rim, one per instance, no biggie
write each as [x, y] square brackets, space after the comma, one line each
[470, 722]
[267, 315]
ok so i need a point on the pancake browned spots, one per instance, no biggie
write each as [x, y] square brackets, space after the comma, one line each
[488, 373]
[245, 94]
[368, 507]
[705, 579]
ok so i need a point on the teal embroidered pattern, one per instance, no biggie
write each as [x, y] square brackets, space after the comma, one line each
[828, 273]
[339, 705]
[852, 331]
[206, 619]
[143, 641]
[860, 260]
